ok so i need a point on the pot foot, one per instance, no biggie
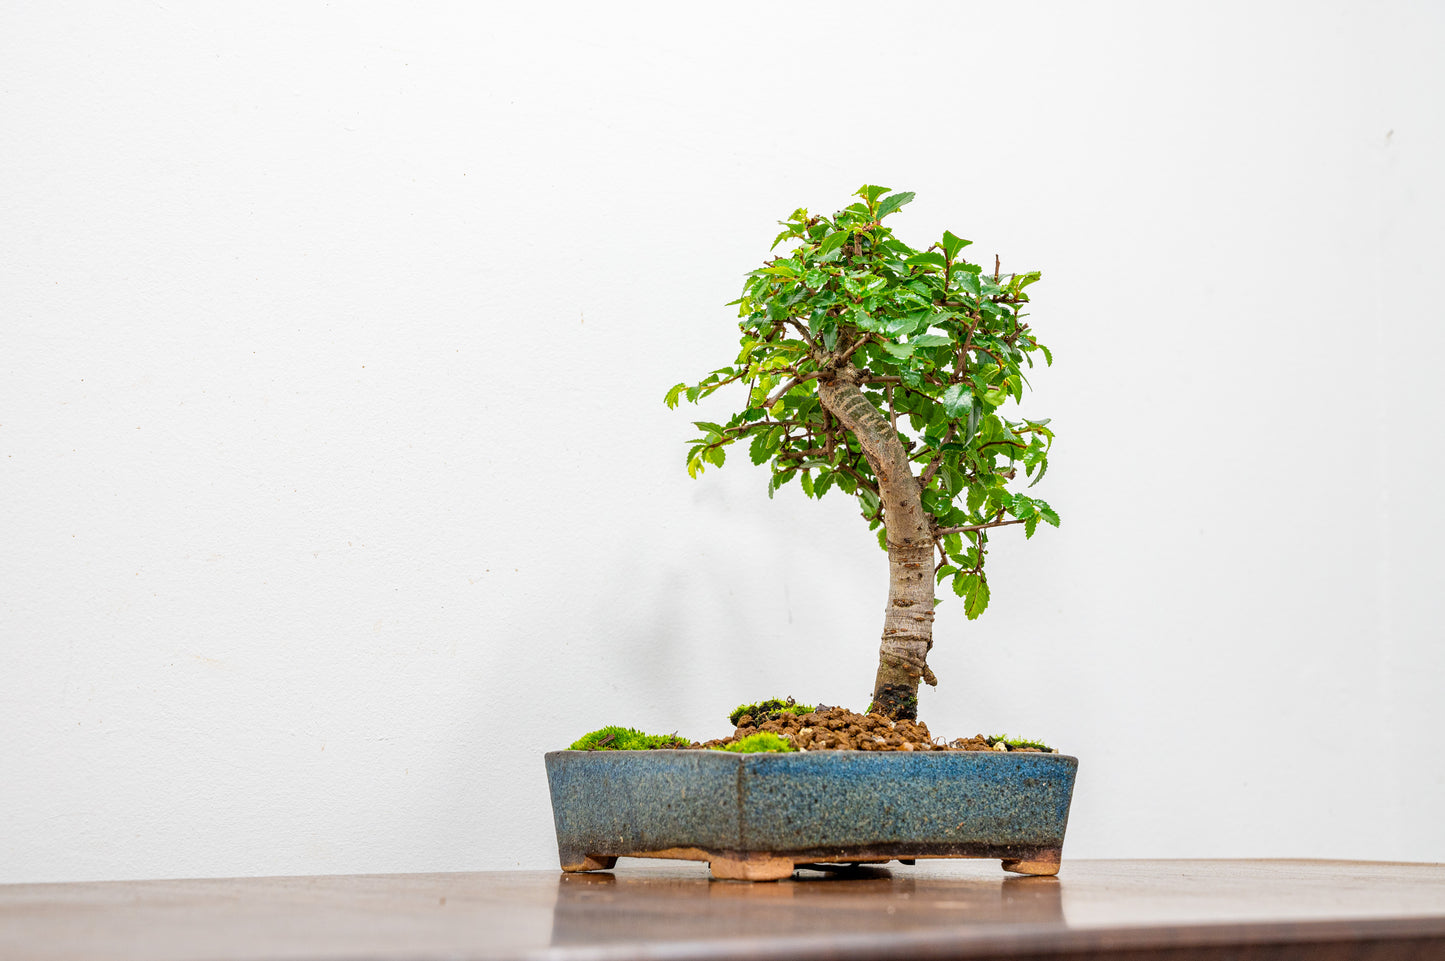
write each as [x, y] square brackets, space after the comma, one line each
[1044, 863]
[589, 862]
[762, 868]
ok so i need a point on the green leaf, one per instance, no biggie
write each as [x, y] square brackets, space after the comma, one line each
[1043, 469]
[977, 599]
[952, 244]
[1047, 512]
[807, 481]
[901, 351]
[758, 450]
[869, 192]
[892, 202]
[930, 340]
[943, 572]
[1029, 526]
[715, 455]
[908, 323]
[708, 425]
[671, 398]
[779, 269]
[968, 560]
[977, 494]
[963, 583]
[929, 259]
[957, 400]
[824, 481]
[833, 241]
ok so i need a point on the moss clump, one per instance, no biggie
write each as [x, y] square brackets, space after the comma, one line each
[625, 739]
[1014, 742]
[767, 710]
[762, 741]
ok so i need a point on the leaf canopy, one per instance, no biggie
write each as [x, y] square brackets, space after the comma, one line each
[941, 349]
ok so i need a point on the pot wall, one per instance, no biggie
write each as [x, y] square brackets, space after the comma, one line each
[823, 805]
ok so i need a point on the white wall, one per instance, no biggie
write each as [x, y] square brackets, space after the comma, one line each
[336, 484]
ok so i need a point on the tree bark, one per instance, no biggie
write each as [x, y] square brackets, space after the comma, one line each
[908, 618]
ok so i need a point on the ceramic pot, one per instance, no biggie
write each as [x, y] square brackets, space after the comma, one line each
[757, 817]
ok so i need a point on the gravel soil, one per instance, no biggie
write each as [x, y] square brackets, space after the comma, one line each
[839, 729]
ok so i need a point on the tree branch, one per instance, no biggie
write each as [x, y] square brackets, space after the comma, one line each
[802, 331]
[937, 461]
[777, 395]
[872, 379]
[995, 357]
[744, 428]
[854, 348]
[973, 527]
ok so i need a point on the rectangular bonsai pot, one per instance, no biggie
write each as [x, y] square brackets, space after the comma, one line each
[758, 816]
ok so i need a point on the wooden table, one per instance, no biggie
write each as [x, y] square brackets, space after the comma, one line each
[1093, 909]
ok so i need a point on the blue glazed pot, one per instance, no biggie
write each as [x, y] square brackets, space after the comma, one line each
[759, 816]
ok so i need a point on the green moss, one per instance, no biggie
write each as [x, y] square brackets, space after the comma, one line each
[1014, 742]
[758, 743]
[625, 739]
[767, 710]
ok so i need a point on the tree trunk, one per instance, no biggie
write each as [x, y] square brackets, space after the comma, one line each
[908, 619]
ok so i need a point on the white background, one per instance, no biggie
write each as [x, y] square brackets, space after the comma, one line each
[336, 484]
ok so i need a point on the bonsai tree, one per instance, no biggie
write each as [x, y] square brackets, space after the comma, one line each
[883, 371]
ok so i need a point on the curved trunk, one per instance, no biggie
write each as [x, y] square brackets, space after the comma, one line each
[908, 619]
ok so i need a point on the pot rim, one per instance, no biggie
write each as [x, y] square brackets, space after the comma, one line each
[758, 755]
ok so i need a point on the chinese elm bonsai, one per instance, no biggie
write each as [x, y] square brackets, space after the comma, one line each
[869, 367]
[881, 371]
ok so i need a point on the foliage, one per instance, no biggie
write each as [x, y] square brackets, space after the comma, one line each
[759, 743]
[766, 710]
[942, 347]
[1014, 742]
[614, 738]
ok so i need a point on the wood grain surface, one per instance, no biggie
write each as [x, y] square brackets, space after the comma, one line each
[1094, 909]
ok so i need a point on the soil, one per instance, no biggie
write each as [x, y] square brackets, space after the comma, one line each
[839, 729]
